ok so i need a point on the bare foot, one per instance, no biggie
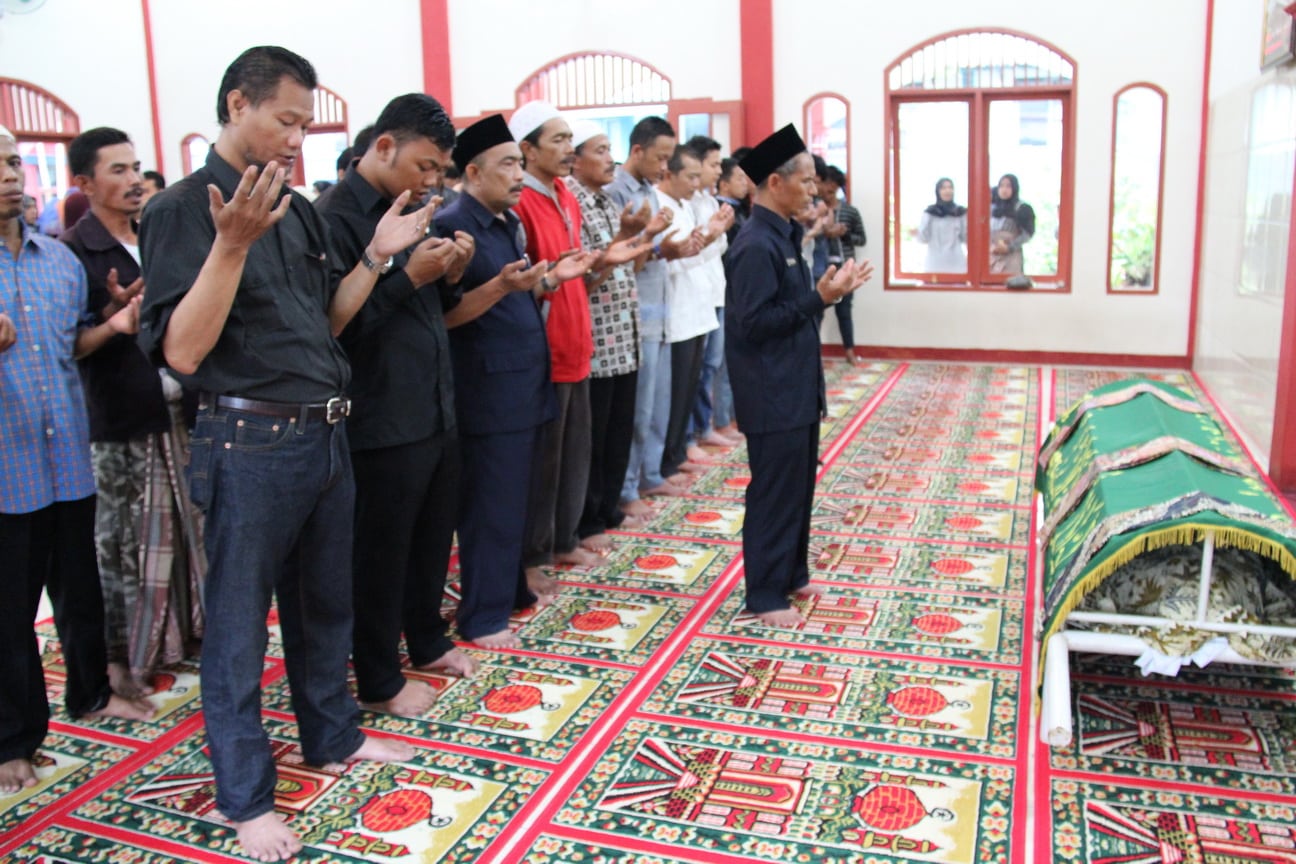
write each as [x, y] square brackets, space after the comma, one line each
[126, 709]
[694, 467]
[733, 432]
[599, 544]
[637, 507]
[811, 590]
[454, 662]
[267, 838]
[502, 639]
[732, 439]
[15, 775]
[541, 584]
[698, 455]
[578, 557]
[715, 439]
[667, 489]
[375, 749]
[413, 700]
[124, 684]
[789, 618]
[631, 522]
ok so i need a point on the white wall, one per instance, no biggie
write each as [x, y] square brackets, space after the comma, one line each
[89, 54]
[1239, 335]
[366, 53]
[1114, 43]
[498, 44]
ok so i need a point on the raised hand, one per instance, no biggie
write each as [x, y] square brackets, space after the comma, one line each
[720, 221]
[863, 272]
[837, 282]
[572, 266]
[8, 333]
[397, 230]
[681, 247]
[430, 260]
[659, 221]
[633, 221]
[117, 295]
[517, 276]
[465, 246]
[126, 319]
[622, 251]
[254, 207]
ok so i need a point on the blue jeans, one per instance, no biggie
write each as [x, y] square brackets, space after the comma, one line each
[280, 500]
[652, 413]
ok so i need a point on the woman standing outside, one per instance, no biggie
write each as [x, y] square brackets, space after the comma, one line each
[1012, 224]
[943, 228]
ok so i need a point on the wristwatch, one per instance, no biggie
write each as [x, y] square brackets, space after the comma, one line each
[373, 266]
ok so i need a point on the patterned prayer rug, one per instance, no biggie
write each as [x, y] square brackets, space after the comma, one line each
[646, 718]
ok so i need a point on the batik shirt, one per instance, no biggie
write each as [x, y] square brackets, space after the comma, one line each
[614, 305]
[44, 432]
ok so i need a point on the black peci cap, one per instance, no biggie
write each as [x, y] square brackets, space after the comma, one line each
[480, 137]
[766, 157]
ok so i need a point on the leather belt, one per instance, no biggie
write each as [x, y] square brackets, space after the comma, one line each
[332, 411]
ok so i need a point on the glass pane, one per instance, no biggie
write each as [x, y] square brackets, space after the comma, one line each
[198, 147]
[694, 124]
[320, 153]
[1025, 143]
[1136, 190]
[1267, 207]
[932, 230]
[826, 131]
[617, 121]
[45, 178]
[720, 131]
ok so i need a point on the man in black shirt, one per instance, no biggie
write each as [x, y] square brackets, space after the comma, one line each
[244, 303]
[404, 446]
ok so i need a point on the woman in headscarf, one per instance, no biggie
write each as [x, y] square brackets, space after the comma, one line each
[943, 228]
[1012, 224]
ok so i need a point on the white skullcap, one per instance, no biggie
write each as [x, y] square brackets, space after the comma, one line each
[583, 130]
[531, 117]
[5, 133]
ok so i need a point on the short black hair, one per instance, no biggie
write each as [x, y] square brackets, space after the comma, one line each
[727, 167]
[256, 74]
[533, 137]
[83, 152]
[362, 141]
[344, 158]
[701, 145]
[836, 175]
[158, 180]
[416, 115]
[648, 130]
[741, 153]
[676, 163]
[451, 172]
[821, 167]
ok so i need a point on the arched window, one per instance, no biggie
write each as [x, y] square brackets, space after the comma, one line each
[1138, 179]
[325, 141]
[43, 124]
[827, 129]
[193, 152]
[971, 107]
[617, 91]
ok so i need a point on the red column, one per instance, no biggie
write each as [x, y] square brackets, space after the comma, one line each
[159, 156]
[434, 20]
[757, 40]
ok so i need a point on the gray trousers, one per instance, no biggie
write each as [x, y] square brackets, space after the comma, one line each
[560, 479]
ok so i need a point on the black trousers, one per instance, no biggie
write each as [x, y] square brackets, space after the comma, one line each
[686, 371]
[492, 528]
[52, 548]
[406, 507]
[845, 324]
[776, 529]
[612, 410]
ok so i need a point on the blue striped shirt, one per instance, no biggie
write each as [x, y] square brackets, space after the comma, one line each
[44, 433]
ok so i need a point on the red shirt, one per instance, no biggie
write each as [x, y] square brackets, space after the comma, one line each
[567, 321]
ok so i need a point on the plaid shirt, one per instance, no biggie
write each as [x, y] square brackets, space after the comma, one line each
[614, 305]
[44, 433]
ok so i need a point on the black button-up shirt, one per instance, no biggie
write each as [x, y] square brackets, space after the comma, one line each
[123, 391]
[402, 385]
[772, 315]
[277, 344]
[501, 359]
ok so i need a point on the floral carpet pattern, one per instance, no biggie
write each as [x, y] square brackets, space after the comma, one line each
[648, 719]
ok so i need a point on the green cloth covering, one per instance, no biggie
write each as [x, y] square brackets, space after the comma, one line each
[1137, 473]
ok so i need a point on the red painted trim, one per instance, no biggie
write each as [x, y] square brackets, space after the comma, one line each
[805, 127]
[1155, 288]
[1195, 296]
[756, 25]
[1025, 358]
[1031, 37]
[26, 98]
[158, 156]
[1282, 447]
[434, 20]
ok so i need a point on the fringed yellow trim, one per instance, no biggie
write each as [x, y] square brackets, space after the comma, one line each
[1185, 534]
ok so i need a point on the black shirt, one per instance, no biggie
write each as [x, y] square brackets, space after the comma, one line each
[403, 385]
[276, 344]
[123, 392]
